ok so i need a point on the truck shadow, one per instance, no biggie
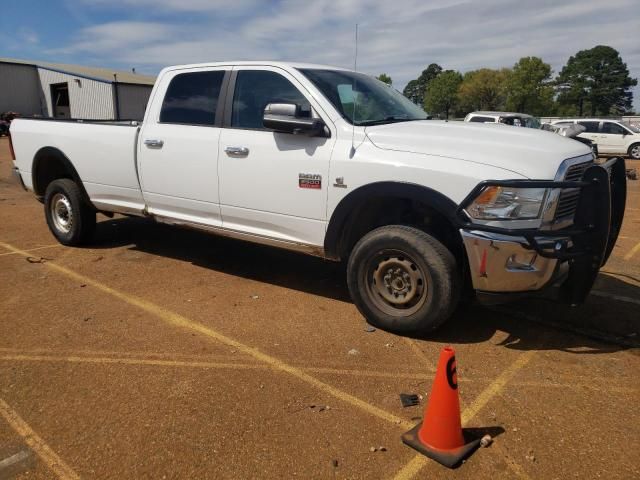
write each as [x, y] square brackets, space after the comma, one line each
[525, 325]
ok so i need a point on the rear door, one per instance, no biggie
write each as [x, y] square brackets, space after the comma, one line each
[611, 139]
[272, 184]
[178, 146]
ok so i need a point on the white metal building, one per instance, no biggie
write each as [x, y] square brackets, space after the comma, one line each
[72, 91]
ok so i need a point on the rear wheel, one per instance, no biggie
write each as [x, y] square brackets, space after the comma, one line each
[634, 151]
[403, 280]
[70, 217]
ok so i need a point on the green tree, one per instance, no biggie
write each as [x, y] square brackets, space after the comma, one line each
[529, 88]
[383, 77]
[484, 89]
[415, 89]
[442, 94]
[596, 80]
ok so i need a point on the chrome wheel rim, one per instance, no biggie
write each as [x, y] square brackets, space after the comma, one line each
[635, 152]
[396, 283]
[61, 213]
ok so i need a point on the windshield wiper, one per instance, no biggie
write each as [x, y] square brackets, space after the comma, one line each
[382, 121]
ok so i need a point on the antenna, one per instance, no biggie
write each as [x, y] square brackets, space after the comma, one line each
[355, 99]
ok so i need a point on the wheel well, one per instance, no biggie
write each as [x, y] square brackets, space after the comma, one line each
[389, 203]
[381, 211]
[51, 164]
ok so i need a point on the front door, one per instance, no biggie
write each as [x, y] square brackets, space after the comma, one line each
[178, 148]
[612, 138]
[272, 184]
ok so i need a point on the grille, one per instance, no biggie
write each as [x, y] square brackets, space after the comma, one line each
[575, 172]
[568, 201]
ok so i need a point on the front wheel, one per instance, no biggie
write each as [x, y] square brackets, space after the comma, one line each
[634, 151]
[403, 279]
[70, 217]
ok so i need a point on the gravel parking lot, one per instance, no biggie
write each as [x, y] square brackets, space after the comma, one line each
[168, 353]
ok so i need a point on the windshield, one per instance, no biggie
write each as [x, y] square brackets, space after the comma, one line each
[363, 100]
[631, 127]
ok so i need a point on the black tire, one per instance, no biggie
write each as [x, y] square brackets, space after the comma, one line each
[386, 266]
[70, 217]
[634, 151]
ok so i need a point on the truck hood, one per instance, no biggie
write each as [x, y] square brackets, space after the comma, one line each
[532, 153]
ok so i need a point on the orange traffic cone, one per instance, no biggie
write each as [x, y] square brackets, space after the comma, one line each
[439, 435]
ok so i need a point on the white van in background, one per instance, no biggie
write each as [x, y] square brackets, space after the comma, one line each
[612, 137]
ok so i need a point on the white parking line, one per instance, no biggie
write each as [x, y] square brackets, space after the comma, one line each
[33, 440]
[632, 252]
[34, 249]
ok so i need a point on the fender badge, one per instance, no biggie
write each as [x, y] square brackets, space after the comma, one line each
[310, 180]
[340, 182]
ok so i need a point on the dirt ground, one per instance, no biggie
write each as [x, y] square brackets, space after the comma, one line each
[168, 353]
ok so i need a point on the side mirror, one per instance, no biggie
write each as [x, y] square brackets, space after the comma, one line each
[286, 118]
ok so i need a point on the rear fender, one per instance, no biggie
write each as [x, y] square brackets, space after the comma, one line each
[64, 169]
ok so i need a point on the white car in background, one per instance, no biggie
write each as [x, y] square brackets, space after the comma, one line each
[612, 137]
[507, 118]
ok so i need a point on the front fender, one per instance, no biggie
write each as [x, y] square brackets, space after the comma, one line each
[410, 191]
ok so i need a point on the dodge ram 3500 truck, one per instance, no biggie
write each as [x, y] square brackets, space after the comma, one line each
[334, 163]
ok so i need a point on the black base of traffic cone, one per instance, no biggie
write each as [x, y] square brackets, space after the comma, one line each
[448, 458]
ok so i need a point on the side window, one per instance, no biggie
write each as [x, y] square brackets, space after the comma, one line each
[192, 98]
[255, 89]
[591, 127]
[613, 128]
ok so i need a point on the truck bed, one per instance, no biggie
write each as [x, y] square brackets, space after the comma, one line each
[102, 152]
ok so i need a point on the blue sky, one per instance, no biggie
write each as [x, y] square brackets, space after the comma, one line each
[398, 37]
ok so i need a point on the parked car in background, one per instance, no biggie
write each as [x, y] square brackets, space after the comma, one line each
[572, 130]
[612, 137]
[507, 118]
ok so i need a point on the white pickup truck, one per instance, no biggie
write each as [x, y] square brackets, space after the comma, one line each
[336, 164]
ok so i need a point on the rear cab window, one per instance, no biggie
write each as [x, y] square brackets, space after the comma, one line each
[192, 98]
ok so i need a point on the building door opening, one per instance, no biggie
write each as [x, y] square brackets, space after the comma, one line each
[60, 100]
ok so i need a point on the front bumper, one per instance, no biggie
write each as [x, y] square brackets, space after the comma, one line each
[504, 261]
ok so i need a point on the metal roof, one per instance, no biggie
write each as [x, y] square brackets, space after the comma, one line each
[93, 73]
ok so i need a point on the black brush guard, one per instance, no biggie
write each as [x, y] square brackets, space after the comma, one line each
[591, 238]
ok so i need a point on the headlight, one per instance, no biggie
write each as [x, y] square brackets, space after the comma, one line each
[507, 203]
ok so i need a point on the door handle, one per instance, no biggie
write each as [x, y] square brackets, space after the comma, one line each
[151, 143]
[237, 151]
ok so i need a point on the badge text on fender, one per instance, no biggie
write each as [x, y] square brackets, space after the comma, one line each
[310, 180]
